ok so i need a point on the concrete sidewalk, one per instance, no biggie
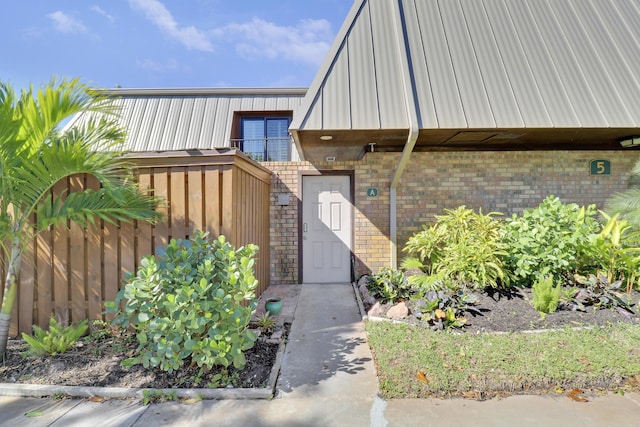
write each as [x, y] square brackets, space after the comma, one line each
[327, 379]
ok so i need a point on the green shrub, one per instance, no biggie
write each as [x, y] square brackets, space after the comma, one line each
[389, 285]
[462, 245]
[443, 309]
[545, 296]
[56, 340]
[428, 282]
[600, 291]
[186, 306]
[614, 250]
[549, 240]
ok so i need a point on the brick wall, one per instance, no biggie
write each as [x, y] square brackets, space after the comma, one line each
[506, 182]
[284, 218]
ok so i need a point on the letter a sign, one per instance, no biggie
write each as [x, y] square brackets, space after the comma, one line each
[372, 192]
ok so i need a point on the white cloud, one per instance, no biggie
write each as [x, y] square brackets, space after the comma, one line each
[65, 23]
[100, 11]
[191, 37]
[307, 42]
[168, 66]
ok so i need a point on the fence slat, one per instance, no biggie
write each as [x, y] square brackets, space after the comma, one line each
[194, 192]
[161, 189]
[44, 263]
[111, 267]
[94, 263]
[213, 199]
[144, 244]
[229, 205]
[61, 265]
[178, 207]
[77, 261]
[26, 288]
[127, 249]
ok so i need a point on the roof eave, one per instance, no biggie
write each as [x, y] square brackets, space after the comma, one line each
[295, 91]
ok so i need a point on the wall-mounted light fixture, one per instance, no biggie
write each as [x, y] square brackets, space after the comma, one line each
[630, 142]
[326, 137]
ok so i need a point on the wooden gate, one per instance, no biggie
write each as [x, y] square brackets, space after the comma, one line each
[72, 272]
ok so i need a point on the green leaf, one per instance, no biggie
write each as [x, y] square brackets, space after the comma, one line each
[190, 298]
[142, 338]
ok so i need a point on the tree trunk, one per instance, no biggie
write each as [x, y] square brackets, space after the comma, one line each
[10, 292]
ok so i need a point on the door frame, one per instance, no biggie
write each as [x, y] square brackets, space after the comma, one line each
[351, 174]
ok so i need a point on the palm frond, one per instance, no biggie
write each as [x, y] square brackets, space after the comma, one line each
[125, 203]
[43, 111]
[67, 155]
[627, 204]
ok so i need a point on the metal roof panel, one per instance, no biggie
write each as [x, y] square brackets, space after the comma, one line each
[364, 111]
[161, 120]
[484, 64]
[392, 109]
[441, 78]
[426, 113]
[497, 82]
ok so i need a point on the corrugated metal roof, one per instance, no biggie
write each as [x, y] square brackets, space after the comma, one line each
[482, 64]
[181, 119]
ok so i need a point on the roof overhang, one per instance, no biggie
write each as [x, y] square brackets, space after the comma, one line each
[346, 145]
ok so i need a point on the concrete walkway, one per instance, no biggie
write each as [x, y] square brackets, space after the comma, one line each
[328, 379]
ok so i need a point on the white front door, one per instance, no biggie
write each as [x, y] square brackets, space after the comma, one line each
[326, 229]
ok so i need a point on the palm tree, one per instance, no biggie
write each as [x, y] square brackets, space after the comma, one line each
[627, 203]
[35, 154]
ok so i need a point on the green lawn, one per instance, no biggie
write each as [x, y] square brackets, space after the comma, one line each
[485, 365]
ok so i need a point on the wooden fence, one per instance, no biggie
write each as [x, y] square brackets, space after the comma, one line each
[71, 272]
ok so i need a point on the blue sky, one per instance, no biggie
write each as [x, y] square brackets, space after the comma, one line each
[168, 43]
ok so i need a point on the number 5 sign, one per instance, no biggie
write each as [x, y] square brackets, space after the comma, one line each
[600, 167]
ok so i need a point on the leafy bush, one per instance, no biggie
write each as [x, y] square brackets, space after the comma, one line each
[462, 245]
[389, 285]
[549, 240]
[443, 309]
[428, 282]
[600, 291]
[545, 296]
[611, 250]
[187, 304]
[56, 340]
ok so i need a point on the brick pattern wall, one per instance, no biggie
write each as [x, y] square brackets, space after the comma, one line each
[284, 218]
[507, 182]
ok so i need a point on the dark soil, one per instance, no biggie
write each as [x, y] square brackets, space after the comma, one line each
[513, 312]
[96, 361]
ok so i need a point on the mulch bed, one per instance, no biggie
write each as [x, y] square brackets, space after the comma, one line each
[512, 312]
[97, 363]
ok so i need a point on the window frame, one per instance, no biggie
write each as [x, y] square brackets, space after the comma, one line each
[237, 131]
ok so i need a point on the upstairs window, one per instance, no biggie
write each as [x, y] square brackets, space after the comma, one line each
[265, 139]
